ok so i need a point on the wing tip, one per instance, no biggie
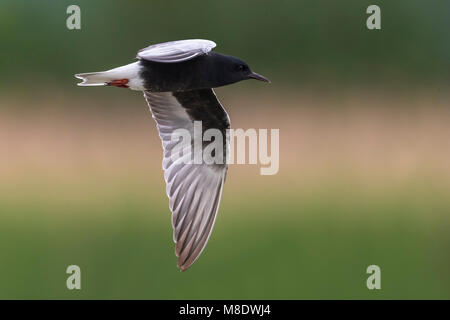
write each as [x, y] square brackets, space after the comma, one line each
[183, 267]
[184, 264]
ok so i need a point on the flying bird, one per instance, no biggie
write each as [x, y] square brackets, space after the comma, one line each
[177, 78]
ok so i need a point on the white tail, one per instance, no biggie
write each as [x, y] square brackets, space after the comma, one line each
[103, 78]
[93, 78]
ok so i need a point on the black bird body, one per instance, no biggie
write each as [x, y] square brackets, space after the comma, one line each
[211, 70]
[177, 80]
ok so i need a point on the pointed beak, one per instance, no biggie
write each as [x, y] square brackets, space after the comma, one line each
[256, 76]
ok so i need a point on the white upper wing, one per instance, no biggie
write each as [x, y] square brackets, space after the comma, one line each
[194, 190]
[176, 51]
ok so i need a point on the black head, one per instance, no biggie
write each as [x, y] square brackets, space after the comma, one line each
[231, 69]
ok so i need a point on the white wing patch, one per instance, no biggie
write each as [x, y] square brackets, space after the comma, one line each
[176, 51]
[194, 190]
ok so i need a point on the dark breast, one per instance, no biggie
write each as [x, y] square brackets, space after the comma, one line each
[202, 105]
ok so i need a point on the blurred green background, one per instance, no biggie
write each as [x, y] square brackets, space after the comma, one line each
[364, 147]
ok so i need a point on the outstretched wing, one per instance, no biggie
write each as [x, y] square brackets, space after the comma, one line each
[176, 51]
[194, 190]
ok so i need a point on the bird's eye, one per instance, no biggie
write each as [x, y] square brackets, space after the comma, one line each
[242, 67]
